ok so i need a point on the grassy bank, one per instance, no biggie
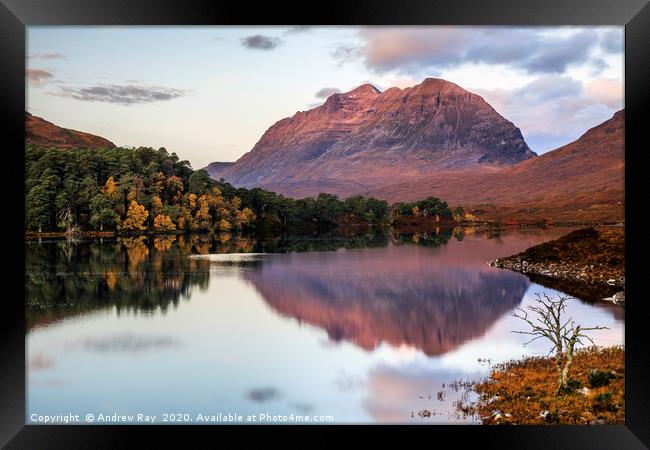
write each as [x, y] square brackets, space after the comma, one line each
[523, 392]
[589, 256]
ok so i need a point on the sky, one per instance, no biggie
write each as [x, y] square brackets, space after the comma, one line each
[209, 93]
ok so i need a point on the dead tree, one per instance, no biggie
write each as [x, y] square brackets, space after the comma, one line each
[563, 335]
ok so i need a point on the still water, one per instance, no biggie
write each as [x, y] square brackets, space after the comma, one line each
[372, 329]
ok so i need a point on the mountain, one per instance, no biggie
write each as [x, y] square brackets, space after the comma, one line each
[215, 168]
[45, 134]
[365, 139]
[583, 180]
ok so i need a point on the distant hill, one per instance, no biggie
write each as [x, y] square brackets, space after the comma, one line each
[45, 134]
[215, 168]
[583, 180]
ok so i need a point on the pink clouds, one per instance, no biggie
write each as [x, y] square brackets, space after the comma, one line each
[606, 91]
[531, 50]
[37, 77]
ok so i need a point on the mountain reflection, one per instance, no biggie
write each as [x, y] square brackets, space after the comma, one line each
[399, 295]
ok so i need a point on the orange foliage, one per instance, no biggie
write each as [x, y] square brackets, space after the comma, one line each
[163, 223]
[524, 392]
[135, 217]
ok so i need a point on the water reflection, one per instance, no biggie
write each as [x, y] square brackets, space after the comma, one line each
[366, 328]
[397, 295]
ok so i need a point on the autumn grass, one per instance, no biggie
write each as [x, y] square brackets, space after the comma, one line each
[524, 391]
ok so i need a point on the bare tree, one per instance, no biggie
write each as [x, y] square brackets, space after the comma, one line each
[549, 325]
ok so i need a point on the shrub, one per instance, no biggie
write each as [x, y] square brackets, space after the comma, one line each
[574, 384]
[598, 378]
[603, 402]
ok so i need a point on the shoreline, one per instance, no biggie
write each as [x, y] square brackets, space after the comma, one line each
[588, 263]
[405, 225]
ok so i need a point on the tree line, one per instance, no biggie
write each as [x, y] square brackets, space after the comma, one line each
[144, 189]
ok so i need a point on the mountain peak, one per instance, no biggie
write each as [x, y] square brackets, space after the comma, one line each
[365, 90]
[430, 85]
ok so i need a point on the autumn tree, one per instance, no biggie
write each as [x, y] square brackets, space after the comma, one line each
[135, 217]
[110, 189]
[163, 223]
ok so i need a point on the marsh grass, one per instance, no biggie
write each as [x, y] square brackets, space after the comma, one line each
[524, 391]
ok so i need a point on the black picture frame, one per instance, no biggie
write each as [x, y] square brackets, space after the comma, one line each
[16, 15]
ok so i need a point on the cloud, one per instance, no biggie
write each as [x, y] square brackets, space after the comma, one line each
[344, 53]
[612, 41]
[38, 77]
[299, 29]
[415, 50]
[553, 110]
[46, 55]
[263, 394]
[261, 42]
[126, 95]
[607, 91]
[326, 92]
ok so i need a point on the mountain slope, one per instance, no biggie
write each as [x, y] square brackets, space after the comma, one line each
[583, 180]
[45, 134]
[366, 138]
[215, 168]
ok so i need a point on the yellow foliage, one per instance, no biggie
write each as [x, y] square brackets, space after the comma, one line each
[110, 189]
[160, 182]
[156, 204]
[244, 217]
[135, 217]
[192, 201]
[163, 222]
[415, 211]
[224, 225]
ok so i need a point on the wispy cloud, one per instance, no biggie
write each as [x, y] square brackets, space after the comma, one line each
[126, 95]
[46, 56]
[299, 29]
[38, 77]
[326, 92]
[344, 53]
[261, 42]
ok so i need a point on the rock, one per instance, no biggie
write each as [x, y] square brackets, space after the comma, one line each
[619, 297]
[584, 391]
[543, 414]
[611, 282]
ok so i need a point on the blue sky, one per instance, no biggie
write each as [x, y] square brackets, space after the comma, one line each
[209, 93]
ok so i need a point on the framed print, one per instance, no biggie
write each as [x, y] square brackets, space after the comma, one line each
[417, 217]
